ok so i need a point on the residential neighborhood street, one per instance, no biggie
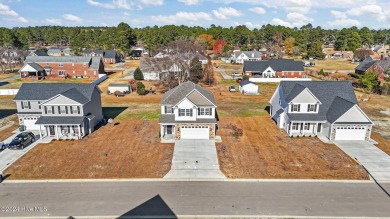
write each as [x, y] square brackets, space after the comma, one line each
[185, 199]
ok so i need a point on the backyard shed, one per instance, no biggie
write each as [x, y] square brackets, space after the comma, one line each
[248, 88]
[124, 88]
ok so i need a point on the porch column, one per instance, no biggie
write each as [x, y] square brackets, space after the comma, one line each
[40, 131]
[316, 129]
[303, 128]
[36, 73]
[57, 136]
[79, 128]
[161, 131]
[290, 128]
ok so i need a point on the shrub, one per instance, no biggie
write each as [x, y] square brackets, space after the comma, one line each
[245, 77]
[141, 88]
[138, 74]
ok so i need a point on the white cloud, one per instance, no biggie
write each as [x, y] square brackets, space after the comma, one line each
[189, 2]
[183, 17]
[344, 23]
[152, 2]
[54, 21]
[293, 19]
[301, 6]
[278, 21]
[126, 13]
[12, 15]
[225, 13]
[73, 18]
[115, 4]
[339, 14]
[258, 10]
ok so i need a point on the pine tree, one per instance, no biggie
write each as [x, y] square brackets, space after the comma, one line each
[138, 74]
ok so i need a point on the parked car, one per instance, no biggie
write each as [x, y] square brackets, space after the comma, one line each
[2, 146]
[232, 89]
[22, 140]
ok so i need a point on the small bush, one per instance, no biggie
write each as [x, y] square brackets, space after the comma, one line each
[141, 88]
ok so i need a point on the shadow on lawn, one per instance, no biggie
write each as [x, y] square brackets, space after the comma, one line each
[152, 208]
[112, 112]
[3, 83]
[6, 112]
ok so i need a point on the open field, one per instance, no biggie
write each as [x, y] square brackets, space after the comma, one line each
[130, 149]
[7, 75]
[333, 64]
[264, 151]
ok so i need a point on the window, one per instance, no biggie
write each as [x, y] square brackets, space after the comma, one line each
[295, 126]
[85, 72]
[26, 105]
[49, 109]
[74, 110]
[307, 126]
[61, 73]
[94, 72]
[168, 110]
[185, 112]
[85, 64]
[204, 112]
[63, 110]
[312, 108]
[295, 108]
[72, 64]
[39, 104]
[60, 64]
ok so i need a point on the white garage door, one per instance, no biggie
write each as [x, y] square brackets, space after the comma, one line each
[30, 124]
[194, 132]
[350, 133]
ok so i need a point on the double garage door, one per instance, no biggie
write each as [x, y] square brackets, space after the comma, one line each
[30, 123]
[194, 132]
[351, 133]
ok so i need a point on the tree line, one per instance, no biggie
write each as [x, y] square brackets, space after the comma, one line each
[302, 40]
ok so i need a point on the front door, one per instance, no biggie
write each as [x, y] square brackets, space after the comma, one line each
[169, 129]
[319, 127]
[52, 130]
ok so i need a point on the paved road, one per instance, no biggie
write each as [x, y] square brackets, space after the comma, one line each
[371, 157]
[223, 73]
[195, 159]
[178, 199]
[7, 157]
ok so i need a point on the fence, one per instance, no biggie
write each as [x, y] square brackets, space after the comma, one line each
[101, 78]
[4, 92]
[276, 80]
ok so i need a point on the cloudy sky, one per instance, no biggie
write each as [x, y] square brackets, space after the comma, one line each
[374, 14]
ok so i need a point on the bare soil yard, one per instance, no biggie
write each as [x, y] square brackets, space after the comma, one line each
[253, 147]
[6, 75]
[130, 149]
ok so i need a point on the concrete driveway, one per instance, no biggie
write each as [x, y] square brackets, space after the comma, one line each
[7, 157]
[195, 159]
[372, 158]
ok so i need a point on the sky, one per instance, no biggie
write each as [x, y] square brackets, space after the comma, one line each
[329, 14]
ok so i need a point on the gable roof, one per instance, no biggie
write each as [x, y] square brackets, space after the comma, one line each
[276, 64]
[327, 92]
[363, 66]
[243, 83]
[109, 54]
[175, 95]
[31, 66]
[40, 53]
[250, 54]
[95, 63]
[45, 91]
[44, 59]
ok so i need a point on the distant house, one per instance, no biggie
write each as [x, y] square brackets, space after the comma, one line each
[248, 88]
[188, 111]
[59, 52]
[379, 67]
[327, 108]
[242, 56]
[331, 54]
[274, 68]
[377, 49]
[61, 111]
[109, 56]
[38, 53]
[61, 67]
[189, 56]
[155, 68]
[137, 52]
[123, 88]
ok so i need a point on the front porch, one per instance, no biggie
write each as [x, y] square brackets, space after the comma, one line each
[62, 132]
[304, 129]
[167, 133]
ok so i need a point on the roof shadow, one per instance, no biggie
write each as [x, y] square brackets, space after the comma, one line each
[112, 112]
[6, 112]
[152, 208]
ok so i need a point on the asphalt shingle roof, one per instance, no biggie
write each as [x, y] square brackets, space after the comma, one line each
[45, 91]
[175, 95]
[242, 83]
[110, 54]
[250, 54]
[75, 95]
[60, 120]
[43, 59]
[363, 66]
[336, 98]
[276, 64]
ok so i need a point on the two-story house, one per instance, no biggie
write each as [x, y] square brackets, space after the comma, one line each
[328, 108]
[188, 112]
[61, 67]
[274, 68]
[61, 111]
[109, 56]
[242, 56]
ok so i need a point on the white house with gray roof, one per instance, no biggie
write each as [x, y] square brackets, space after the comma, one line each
[61, 111]
[241, 56]
[188, 112]
[328, 108]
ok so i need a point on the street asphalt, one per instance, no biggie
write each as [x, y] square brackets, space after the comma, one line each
[161, 199]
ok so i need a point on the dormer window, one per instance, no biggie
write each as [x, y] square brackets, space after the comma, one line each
[295, 108]
[312, 108]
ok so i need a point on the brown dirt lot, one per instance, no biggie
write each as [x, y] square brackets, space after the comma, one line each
[264, 151]
[383, 143]
[131, 149]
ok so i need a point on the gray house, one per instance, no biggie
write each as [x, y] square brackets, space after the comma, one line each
[188, 112]
[61, 111]
[327, 108]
